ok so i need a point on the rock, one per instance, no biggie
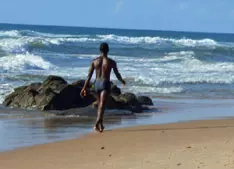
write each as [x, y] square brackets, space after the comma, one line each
[56, 94]
[23, 96]
[53, 94]
[79, 83]
[115, 90]
[55, 83]
[35, 86]
[51, 78]
[114, 103]
[45, 98]
[145, 100]
[130, 102]
[128, 98]
[63, 97]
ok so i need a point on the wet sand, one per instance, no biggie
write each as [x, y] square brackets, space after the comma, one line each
[197, 144]
[20, 128]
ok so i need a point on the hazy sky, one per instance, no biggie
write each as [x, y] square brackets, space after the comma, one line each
[186, 15]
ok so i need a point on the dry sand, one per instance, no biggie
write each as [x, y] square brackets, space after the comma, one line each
[190, 145]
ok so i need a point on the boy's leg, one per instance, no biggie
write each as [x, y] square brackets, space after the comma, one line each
[101, 107]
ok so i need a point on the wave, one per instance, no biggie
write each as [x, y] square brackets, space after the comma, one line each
[124, 39]
[150, 64]
[162, 90]
[24, 43]
[175, 68]
[22, 62]
[4, 90]
[48, 35]
[143, 40]
[171, 73]
[158, 40]
[11, 33]
[161, 75]
[19, 41]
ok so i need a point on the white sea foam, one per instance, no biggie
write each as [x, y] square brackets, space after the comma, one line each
[114, 38]
[51, 35]
[21, 44]
[4, 90]
[140, 40]
[193, 43]
[12, 44]
[158, 40]
[154, 75]
[12, 33]
[24, 62]
[163, 90]
[155, 72]
[17, 41]
[131, 40]
[162, 74]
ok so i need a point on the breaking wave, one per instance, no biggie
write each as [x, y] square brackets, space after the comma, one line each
[22, 62]
[154, 64]
[20, 41]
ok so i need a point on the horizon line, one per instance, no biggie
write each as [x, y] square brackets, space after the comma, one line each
[139, 29]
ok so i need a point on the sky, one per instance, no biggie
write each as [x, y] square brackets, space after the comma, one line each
[179, 15]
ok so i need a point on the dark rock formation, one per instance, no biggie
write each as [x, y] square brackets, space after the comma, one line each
[56, 94]
[145, 100]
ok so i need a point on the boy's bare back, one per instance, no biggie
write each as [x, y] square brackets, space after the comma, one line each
[103, 67]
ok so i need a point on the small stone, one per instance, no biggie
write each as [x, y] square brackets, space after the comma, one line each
[179, 164]
[189, 147]
[102, 148]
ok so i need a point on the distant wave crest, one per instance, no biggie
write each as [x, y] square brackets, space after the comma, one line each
[11, 33]
[19, 41]
[158, 40]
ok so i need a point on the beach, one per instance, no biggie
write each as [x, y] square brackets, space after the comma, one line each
[196, 144]
[20, 128]
[189, 76]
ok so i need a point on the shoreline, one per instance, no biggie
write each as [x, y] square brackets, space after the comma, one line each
[193, 144]
[23, 131]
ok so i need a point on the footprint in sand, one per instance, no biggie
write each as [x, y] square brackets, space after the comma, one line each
[179, 164]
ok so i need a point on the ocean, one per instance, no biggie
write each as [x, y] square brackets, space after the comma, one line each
[180, 71]
[157, 63]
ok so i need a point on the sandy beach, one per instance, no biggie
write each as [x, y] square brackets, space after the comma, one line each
[197, 144]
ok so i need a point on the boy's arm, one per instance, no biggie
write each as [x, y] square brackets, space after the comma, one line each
[117, 74]
[91, 70]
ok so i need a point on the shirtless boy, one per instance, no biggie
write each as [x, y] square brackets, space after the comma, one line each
[103, 67]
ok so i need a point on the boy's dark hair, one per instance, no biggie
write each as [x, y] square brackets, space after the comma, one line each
[104, 48]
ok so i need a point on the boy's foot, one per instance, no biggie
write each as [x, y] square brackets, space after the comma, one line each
[96, 128]
[101, 127]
